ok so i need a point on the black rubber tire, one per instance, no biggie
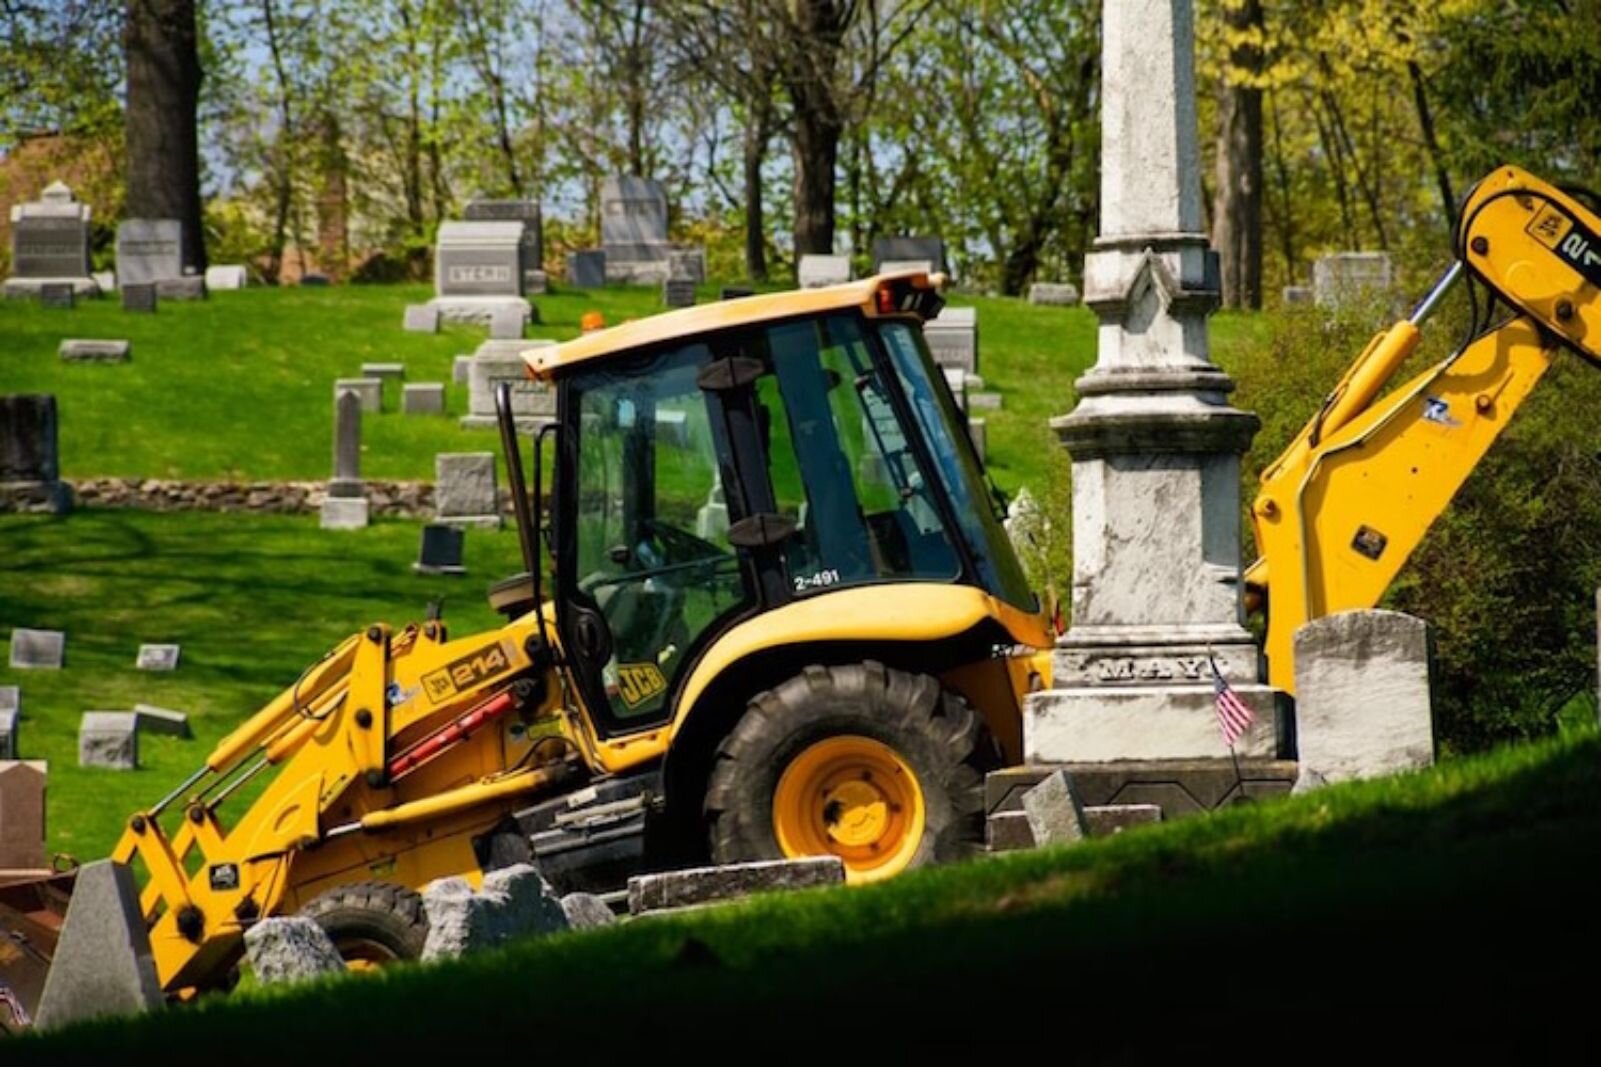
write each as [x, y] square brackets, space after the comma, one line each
[935, 731]
[368, 919]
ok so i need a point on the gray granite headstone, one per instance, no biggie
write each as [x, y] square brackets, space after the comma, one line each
[977, 433]
[1053, 294]
[8, 741]
[103, 965]
[508, 322]
[441, 550]
[479, 259]
[346, 482]
[109, 740]
[22, 811]
[42, 650]
[58, 295]
[227, 276]
[139, 297]
[28, 438]
[50, 244]
[423, 398]
[526, 212]
[1363, 704]
[953, 338]
[890, 250]
[188, 287]
[1055, 811]
[633, 228]
[157, 658]
[369, 390]
[687, 262]
[158, 720]
[465, 489]
[76, 350]
[1296, 295]
[1348, 277]
[460, 365]
[816, 270]
[533, 404]
[586, 268]
[703, 885]
[149, 250]
[422, 318]
[10, 698]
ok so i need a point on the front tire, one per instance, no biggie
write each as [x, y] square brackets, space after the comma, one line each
[372, 924]
[880, 767]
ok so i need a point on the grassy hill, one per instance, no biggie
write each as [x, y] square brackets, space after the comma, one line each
[1448, 910]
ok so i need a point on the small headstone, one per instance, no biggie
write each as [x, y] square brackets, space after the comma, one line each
[1106, 820]
[384, 371]
[1055, 812]
[678, 292]
[465, 489]
[187, 287]
[37, 650]
[423, 398]
[1052, 294]
[1362, 699]
[8, 747]
[515, 902]
[139, 297]
[918, 253]
[163, 721]
[345, 513]
[953, 338]
[105, 280]
[586, 268]
[977, 430]
[703, 885]
[50, 244]
[422, 318]
[370, 391]
[285, 950]
[22, 808]
[735, 292]
[984, 401]
[227, 276]
[10, 698]
[149, 251]
[508, 322]
[816, 271]
[441, 550]
[78, 350]
[687, 263]
[1348, 277]
[536, 282]
[103, 965]
[59, 295]
[109, 739]
[479, 259]
[956, 380]
[460, 366]
[1296, 295]
[586, 911]
[157, 658]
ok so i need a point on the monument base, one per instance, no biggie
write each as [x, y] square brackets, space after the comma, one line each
[477, 309]
[31, 288]
[525, 423]
[45, 498]
[342, 513]
[1104, 724]
[479, 522]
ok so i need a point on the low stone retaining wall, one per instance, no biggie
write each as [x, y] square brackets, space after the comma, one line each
[399, 499]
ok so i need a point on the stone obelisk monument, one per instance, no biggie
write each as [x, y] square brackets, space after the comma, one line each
[1154, 442]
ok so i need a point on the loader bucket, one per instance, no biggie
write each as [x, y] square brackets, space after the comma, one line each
[33, 906]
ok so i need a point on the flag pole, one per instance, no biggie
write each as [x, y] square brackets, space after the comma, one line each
[1234, 756]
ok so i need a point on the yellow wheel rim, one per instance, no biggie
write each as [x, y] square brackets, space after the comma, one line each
[854, 798]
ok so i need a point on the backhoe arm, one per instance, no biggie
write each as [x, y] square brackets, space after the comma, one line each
[1344, 507]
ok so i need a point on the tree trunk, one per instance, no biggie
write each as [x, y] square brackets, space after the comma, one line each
[756, 135]
[160, 125]
[1237, 210]
[1442, 174]
[816, 153]
[333, 201]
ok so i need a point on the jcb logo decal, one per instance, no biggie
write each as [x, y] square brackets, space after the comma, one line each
[1570, 239]
[638, 682]
[1549, 226]
[470, 670]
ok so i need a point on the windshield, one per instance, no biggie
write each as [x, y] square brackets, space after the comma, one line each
[958, 467]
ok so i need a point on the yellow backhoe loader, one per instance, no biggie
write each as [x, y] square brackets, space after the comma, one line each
[783, 617]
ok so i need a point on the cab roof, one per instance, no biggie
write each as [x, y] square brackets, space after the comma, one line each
[548, 361]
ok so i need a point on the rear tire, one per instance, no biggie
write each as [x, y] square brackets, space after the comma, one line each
[881, 767]
[372, 924]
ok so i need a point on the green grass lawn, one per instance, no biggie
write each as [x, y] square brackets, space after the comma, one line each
[252, 599]
[240, 386]
[1450, 910]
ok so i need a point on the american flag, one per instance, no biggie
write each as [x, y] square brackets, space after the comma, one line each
[1233, 717]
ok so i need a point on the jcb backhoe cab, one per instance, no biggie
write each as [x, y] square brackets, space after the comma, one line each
[782, 619]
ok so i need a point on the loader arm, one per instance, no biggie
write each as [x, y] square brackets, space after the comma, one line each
[1345, 506]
